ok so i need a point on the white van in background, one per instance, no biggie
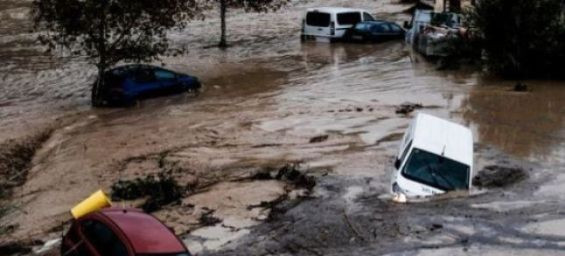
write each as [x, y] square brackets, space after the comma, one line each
[435, 156]
[423, 18]
[328, 24]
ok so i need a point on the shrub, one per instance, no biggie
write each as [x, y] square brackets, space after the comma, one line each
[520, 38]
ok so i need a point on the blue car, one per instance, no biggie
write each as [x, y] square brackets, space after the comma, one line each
[374, 32]
[125, 84]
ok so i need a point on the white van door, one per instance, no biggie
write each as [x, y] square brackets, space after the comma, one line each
[317, 24]
[346, 20]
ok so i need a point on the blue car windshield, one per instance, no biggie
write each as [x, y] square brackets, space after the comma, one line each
[436, 171]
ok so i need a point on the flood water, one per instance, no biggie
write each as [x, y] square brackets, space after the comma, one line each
[263, 99]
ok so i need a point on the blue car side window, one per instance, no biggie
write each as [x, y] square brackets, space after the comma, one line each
[164, 75]
[376, 28]
[381, 28]
[144, 76]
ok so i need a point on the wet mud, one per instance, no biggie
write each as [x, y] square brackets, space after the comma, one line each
[157, 191]
[498, 176]
[16, 160]
[270, 100]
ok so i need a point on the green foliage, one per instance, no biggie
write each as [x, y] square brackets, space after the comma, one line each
[110, 31]
[520, 38]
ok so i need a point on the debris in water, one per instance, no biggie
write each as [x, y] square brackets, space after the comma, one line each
[160, 190]
[48, 246]
[435, 227]
[520, 87]
[498, 176]
[291, 173]
[319, 139]
[208, 219]
[407, 108]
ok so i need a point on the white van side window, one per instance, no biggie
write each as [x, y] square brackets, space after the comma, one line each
[367, 17]
[348, 18]
[318, 19]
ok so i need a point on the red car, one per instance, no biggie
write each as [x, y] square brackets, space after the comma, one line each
[121, 232]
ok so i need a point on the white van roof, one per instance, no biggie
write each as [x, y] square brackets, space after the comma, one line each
[334, 9]
[443, 137]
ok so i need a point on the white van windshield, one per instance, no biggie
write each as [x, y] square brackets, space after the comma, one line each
[436, 171]
[318, 19]
[348, 18]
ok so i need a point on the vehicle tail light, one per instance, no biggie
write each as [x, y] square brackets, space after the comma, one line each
[332, 28]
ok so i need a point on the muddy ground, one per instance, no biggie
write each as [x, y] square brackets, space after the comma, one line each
[269, 101]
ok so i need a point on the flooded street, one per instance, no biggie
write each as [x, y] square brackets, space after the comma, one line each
[263, 101]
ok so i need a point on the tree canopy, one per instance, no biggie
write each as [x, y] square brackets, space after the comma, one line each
[520, 38]
[109, 31]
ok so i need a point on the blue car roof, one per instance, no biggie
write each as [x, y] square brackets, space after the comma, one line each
[375, 22]
[127, 69]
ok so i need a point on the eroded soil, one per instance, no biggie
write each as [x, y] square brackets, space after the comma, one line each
[269, 101]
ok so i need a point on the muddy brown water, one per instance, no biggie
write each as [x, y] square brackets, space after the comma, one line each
[263, 100]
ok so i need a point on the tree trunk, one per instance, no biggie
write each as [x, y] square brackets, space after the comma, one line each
[96, 99]
[223, 7]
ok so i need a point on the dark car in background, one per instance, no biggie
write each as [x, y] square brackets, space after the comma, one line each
[125, 84]
[121, 232]
[374, 32]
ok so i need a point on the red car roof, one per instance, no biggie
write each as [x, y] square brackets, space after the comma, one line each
[146, 234]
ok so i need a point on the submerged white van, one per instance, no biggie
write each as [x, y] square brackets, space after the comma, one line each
[328, 24]
[435, 156]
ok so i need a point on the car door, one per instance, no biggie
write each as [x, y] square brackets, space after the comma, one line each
[345, 21]
[167, 79]
[382, 32]
[359, 32]
[376, 32]
[317, 23]
[397, 31]
[102, 239]
[145, 82]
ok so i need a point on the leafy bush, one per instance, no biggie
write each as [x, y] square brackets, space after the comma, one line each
[520, 38]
